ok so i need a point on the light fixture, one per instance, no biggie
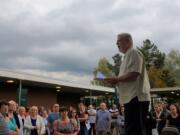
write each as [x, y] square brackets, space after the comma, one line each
[58, 87]
[106, 93]
[10, 81]
[58, 90]
[177, 94]
[172, 92]
[87, 91]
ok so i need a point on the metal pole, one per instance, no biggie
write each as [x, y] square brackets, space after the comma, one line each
[116, 95]
[90, 97]
[20, 91]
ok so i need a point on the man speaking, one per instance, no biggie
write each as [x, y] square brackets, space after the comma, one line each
[133, 85]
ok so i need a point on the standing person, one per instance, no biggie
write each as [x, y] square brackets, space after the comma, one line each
[70, 111]
[75, 120]
[21, 117]
[160, 117]
[103, 120]
[114, 113]
[133, 85]
[34, 124]
[83, 117]
[165, 108]
[92, 119]
[4, 129]
[45, 116]
[13, 113]
[121, 121]
[54, 115]
[64, 125]
[173, 120]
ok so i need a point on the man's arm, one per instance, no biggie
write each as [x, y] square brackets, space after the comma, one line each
[131, 76]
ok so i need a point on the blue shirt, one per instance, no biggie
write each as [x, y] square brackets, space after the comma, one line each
[103, 120]
[52, 117]
[34, 131]
[121, 121]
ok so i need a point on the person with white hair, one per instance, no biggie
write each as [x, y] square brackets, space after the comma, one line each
[133, 85]
[13, 112]
[34, 124]
[92, 119]
[21, 117]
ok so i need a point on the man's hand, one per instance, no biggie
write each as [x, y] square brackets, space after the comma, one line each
[112, 80]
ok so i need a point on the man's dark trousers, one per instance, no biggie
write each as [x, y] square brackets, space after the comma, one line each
[135, 117]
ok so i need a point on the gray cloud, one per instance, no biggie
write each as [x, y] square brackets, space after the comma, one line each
[71, 36]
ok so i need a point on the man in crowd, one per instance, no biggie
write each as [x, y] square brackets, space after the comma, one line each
[103, 120]
[114, 113]
[54, 115]
[133, 85]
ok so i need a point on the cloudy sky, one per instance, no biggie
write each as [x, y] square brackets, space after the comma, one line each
[65, 38]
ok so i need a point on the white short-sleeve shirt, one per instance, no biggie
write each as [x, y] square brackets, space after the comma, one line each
[134, 62]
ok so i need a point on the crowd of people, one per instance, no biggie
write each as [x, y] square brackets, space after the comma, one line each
[18, 120]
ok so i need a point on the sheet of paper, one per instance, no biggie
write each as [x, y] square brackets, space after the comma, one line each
[100, 76]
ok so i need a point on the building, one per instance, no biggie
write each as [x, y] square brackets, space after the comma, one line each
[44, 91]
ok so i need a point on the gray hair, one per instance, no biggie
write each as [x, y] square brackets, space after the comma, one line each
[126, 36]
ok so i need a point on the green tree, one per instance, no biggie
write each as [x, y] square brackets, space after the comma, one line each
[155, 78]
[153, 57]
[168, 78]
[104, 67]
[172, 63]
[117, 58]
[155, 63]
[173, 60]
[108, 69]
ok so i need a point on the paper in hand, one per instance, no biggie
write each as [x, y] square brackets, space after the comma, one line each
[100, 76]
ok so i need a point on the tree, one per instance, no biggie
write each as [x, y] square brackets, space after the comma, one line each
[103, 67]
[173, 60]
[168, 78]
[172, 63]
[153, 57]
[108, 69]
[155, 61]
[155, 78]
[117, 58]
[159, 74]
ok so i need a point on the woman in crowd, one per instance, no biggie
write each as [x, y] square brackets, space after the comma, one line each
[34, 124]
[41, 110]
[75, 120]
[10, 125]
[70, 111]
[21, 117]
[173, 120]
[45, 118]
[160, 117]
[121, 120]
[64, 126]
[83, 117]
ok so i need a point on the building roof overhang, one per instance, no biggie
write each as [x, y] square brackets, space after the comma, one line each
[50, 82]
